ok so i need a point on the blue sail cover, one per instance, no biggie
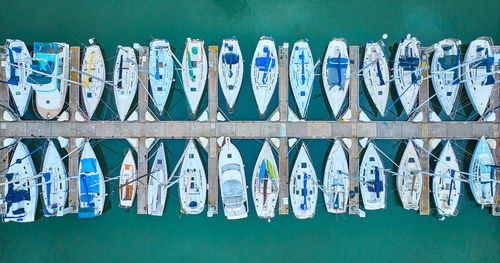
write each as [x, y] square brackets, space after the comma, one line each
[378, 185]
[336, 68]
[452, 185]
[13, 80]
[89, 165]
[16, 196]
[304, 193]
[46, 177]
[262, 171]
[265, 63]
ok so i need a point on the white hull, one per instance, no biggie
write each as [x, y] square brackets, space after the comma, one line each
[21, 196]
[157, 184]
[376, 76]
[482, 174]
[336, 181]
[50, 91]
[264, 73]
[409, 178]
[303, 186]
[446, 191]
[407, 73]
[230, 71]
[16, 76]
[54, 182]
[479, 81]
[192, 182]
[336, 69]
[301, 75]
[161, 65]
[194, 73]
[372, 180]
[446, 82]
[232, 182]
[91, 186]
[128, 181]
[265, 182]
[125, 78]
[93, 64]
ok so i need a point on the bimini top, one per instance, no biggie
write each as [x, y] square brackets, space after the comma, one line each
[44, 61]
[265, 63]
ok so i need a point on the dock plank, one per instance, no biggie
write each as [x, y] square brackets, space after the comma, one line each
[283, 82]
[283, 88]
[73, 161]
[424, 156]
[354, 150]
[142, 162]
[74, 89]
[495, 104]
[284, 177]
[425, 194]
[213, 82]
[213, 175]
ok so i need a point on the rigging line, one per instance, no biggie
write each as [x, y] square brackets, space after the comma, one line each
[385, 155]
[461, 148]
[399, 97]
[19, 160]
[436, 158]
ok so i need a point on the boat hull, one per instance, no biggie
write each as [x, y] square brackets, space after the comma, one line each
[303, 186]
[192, 182]
[125, 79]
[301, 75]
[194, 73]
[230, 71]
[19, 89]
[161, 66]
[265, 183]
[407, 73]
[335, 70]
[376, 76]
[336, 181]
[264, 73]
[372, 180]
[92, 64]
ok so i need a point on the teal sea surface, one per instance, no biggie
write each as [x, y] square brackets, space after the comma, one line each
[390, 235]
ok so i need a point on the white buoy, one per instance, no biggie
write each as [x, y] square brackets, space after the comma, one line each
[148, 142]
[275, 142]
[149, 117]
[9, 141]
[492, 143]
[291, 142]
[220, 141]
[363, 117]
[347, 115]
[204, 142]
[134, 116]
[408, 36]
[433, 143]
[347, 142]
[79, 116]
[64, 142]
[79, 142]
[491, 117]
[220, 117]
[204, 116]
[419, 117]
[134, 142]
[7, 116]
[64, 116]
[419, 143]
[363, 141]
[434, 117]
[384, 36]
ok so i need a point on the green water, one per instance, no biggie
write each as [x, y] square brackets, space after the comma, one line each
[393, 234]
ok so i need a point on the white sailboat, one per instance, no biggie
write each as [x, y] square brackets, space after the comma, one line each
[126, 79]
[376, 76]
[264, 73]
[194, 73]
[92, 64]
[161, 66]
[335, 180]
[301, 75]
[52, 60]
[54, 182]
[20, 89]
[482, 174]
[372, 180]
[335, 70]
[479, 78]
[192, 182]
[303, 186]
[128, 181]
[445, 72]
[407, 72]
[445, 189]
[21, 194]
[157, 183]
[232, 181]
[409, 178]
[91, 186]
[230, 71]
[265, 182]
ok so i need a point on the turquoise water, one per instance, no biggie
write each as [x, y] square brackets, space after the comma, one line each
[389, 235]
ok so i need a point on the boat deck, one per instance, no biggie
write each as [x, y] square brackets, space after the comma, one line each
[211, 129]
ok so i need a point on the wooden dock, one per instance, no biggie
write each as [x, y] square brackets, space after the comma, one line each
[424, 156]
[283, 110]
[142, 151]
[354, 191]
[495, 96]
[213, 174]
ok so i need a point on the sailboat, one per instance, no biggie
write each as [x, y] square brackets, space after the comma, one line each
[125, 79]
[91, 186]
[445, 72]
[264, 73]
[18, 55]
[407, 72]
[372, 180]
[21, 194]
[158, 183]
[54, 182]
[232, 182]
[161, 66]
[409, 178]
[479, 74]
[335, 71]
[128, 181]
[192, 181]
[230, 71]
[446, 190]
[301, 75]
[194, 73]
[336, 180]
[48, 78]
[482, 174]
[303, 186]
[376, 75]
[92, 64]
[265, 182]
